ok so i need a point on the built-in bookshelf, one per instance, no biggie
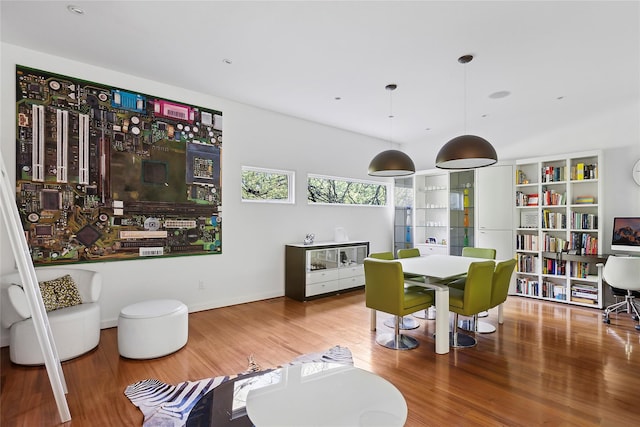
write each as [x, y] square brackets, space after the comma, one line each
[558, 234]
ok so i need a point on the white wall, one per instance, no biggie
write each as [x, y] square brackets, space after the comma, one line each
[251, 266]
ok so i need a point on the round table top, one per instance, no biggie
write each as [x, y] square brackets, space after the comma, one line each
[325, 394]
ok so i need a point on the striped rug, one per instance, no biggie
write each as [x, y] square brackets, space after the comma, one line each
[170, 405]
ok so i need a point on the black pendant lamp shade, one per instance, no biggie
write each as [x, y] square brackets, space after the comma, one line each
[466, 152]
[391, 163]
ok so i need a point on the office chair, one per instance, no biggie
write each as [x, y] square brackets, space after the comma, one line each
[623, 273]
[385, 291]
[474, 298]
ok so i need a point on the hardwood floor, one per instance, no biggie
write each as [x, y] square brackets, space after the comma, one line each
[547, 364]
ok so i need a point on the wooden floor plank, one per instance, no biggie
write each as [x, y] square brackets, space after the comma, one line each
[549, 363]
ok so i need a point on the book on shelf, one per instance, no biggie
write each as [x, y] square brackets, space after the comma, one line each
[553, 173]
[584, 221]
[559, 292]
[527, 286]
[582, 171]
[557, 220]
[532, 199]
[585, 200]
[553, 198]
[528, 263]
[584, 300]
[527, 242]
[584, 244]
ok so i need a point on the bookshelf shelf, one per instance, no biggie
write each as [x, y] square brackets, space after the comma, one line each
[557, 211]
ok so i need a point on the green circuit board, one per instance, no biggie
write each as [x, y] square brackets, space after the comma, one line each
[104, 173]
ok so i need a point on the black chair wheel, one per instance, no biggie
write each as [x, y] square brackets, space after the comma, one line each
[607, 321]
[635, 318]
[638, 327]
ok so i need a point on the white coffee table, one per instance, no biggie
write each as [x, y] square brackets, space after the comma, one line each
[325, 394]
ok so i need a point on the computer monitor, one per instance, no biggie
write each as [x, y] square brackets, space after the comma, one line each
[626, 234]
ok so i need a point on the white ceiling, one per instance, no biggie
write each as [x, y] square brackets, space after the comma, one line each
[296, 57]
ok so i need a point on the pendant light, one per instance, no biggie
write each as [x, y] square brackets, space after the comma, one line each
[391, 162]
[466, 151]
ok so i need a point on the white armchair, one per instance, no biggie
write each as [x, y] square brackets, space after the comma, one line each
[76, 329]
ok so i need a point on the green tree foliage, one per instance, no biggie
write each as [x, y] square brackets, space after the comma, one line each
[258, 185]
[335, 191]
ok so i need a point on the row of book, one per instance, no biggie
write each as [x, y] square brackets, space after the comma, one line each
[528, 263]
[584, 171]
[529, 286]
[584, 294]
[579, 269]
[554, 244]
[584, 243]
[553, 198]
[584, 221]
[553, 266]
[557, 220]
[527, 242]
[522, 199]
[554, 173]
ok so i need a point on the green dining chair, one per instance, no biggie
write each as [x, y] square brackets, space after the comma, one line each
[382, 255]
[467, 251]
[474, 298]
[412, 253]
[406, 322]
[499, 292]
[385, 291]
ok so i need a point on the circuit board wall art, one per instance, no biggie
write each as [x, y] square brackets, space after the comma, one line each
[106, 174]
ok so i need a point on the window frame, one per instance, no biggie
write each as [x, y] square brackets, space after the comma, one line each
[386, 185]
[290, 184]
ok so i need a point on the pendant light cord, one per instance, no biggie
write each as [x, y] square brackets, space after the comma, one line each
[391, 87]
[464, 115]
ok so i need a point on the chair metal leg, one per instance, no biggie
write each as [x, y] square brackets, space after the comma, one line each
[406, 323]
[629, 306]
[428, 314]
[397, 341]
[459, 340]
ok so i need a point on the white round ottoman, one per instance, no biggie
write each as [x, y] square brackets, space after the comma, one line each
[153, 328]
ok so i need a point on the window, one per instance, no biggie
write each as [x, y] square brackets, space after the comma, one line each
[344, 191]
[267, 185]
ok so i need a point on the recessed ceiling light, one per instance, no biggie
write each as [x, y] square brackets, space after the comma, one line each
[227, 61]
[427, 128]
[484, 115]
[559, 98]
[76, 10]
[500, 94]
[337, 98]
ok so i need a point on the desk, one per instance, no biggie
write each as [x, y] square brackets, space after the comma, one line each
[325, 394]
[438, 268]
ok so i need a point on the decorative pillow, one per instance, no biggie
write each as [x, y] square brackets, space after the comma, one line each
[59, 293]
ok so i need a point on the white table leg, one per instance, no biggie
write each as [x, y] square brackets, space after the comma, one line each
[373, 320]
[501, 314]
[442, 317]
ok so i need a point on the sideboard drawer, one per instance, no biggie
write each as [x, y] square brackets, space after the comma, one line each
[322, 287]
[322, 276]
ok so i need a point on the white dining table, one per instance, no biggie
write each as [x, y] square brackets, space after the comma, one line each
[437, 270]
[324, 394]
